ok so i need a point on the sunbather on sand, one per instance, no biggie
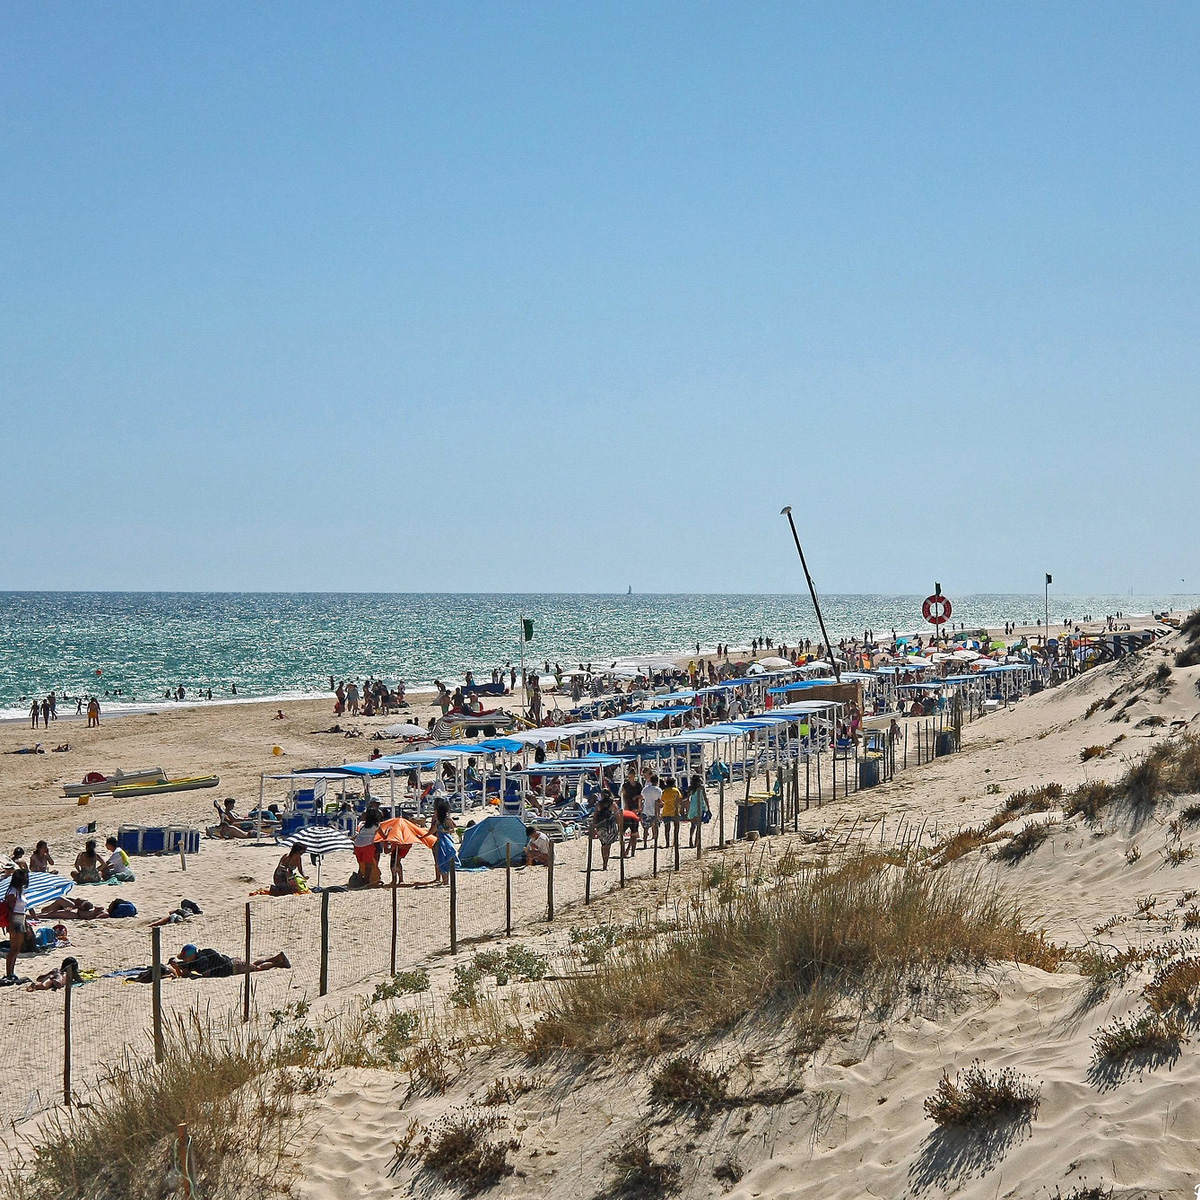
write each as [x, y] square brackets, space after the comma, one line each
[289, 877]
[88, 864]
[116, 866]
[186, 909]
[228, 825]
[212, 964]
[52, 981]
[78, 909]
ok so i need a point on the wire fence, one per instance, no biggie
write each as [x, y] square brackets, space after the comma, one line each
[335, 940]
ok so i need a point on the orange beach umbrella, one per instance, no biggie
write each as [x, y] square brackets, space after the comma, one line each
[400, 831]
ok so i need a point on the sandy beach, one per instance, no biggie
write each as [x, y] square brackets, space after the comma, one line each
[856, 1126]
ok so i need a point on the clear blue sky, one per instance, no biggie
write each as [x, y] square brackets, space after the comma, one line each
[561, 297]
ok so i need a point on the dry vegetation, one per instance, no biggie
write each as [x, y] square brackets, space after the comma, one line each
[224, 1084]
[796, 949]
[1025, 842]
[1149, 1034]
[978, 1097]
[1189, 656]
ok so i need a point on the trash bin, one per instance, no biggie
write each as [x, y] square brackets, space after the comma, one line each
[868, 772]
[944, 744]
[751, 818]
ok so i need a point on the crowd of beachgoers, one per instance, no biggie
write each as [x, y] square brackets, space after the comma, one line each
[640, 804]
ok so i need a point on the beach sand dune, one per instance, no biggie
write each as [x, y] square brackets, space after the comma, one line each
[857, 1125]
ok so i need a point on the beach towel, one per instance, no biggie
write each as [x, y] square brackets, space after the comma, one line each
[445, 853]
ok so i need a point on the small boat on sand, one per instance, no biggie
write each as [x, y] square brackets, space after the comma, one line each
[95, 784]
[125, 791]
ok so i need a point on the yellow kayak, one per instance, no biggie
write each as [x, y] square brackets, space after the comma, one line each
[154, 787]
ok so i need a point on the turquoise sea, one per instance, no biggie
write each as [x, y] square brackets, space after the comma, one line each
[287, 645]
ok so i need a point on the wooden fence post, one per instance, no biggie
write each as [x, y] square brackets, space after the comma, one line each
[587, 883]
[323, 987]
[246, 981]
[550, 883]
[156, 993]
[453, 909]
[621, 840]
[395, 913]
[67, 1038]
[508, 887]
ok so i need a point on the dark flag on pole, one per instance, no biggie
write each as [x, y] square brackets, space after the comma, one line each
[1049, 580]
[527, 628]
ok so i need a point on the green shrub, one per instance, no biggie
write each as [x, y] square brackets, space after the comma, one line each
[403, 983]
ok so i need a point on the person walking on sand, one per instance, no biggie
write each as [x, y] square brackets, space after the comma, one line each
[367, 849]
[651, 806]
[34, 713]
[631, 805]
[672, 798]
[12, 909]
[46, 713]
[93, 713]
[697, 809]
[604, 826]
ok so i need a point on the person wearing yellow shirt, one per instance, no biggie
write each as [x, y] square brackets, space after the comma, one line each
[670, 801]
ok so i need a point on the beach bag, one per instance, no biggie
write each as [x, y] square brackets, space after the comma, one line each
[5, 911]
[45, 939]
[124, 908]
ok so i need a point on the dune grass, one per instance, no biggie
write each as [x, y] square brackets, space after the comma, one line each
[1025, 842]
[222, 1083]
[1171, 768]
[796, 948]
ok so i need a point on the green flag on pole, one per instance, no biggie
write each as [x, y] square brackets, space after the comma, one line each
[527, 628]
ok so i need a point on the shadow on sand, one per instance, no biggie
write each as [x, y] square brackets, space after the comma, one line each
[951, 1154]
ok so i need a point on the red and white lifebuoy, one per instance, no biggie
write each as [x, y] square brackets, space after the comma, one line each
[936, 609]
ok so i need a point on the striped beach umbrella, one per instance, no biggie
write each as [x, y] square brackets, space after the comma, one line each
[320, 839]
[44, 887]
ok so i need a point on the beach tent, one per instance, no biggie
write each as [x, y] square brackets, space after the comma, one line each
[484, 845]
